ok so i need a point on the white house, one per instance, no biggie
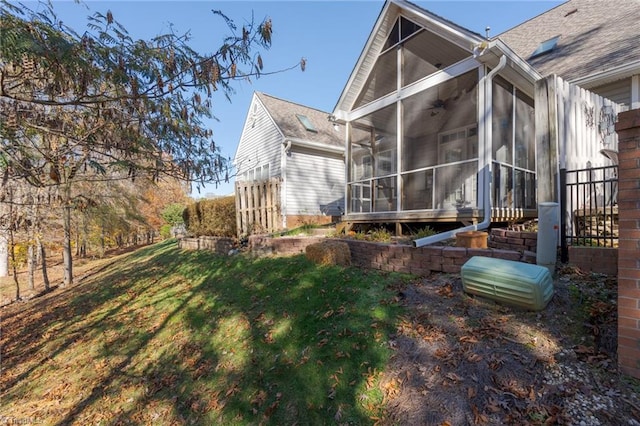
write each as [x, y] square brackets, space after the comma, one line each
[290, 167]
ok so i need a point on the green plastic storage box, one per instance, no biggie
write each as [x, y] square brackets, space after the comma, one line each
[514, 283]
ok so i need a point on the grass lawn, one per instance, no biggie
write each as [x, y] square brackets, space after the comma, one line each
[166, 336]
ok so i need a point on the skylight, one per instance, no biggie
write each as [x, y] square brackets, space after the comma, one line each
[545, 47]
[306, 123]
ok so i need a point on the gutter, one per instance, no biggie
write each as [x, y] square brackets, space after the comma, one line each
[313, 145]
[286, 149]
[486, 160]
[623, 71]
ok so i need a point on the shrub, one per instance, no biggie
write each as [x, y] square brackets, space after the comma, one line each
[20, 254]
[215, 217]
[380, 235]
[165, 231]
[426, 231]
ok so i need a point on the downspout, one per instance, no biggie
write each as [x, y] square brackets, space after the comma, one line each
[486, 205]
[286, 148]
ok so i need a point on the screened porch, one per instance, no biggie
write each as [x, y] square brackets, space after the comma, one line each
[425, 125]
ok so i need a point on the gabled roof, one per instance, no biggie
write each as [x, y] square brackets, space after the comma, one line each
[285, 116]
[446, 29]
[596, 37]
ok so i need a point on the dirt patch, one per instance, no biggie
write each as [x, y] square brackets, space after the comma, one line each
[464, 360]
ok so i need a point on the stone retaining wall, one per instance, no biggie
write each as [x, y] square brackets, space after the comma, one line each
[219, 245]
[513, 240]
[420, 261]
[503, 244]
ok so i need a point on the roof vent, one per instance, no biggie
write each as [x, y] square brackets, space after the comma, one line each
[571, 12]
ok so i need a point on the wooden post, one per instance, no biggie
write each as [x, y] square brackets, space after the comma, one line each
[239, 230]
[546, 120]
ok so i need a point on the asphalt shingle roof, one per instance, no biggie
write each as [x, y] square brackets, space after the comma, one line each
[595, 36]
[284, 114]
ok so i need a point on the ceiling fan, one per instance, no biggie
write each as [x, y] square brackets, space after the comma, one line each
[442, 104]
[438, 104]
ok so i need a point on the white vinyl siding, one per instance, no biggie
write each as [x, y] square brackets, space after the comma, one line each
[260, 143]
[315, 183]
[618, 91]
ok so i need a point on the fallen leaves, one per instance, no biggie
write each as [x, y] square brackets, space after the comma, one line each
[446, 290]
[390, 388]
[419, 327]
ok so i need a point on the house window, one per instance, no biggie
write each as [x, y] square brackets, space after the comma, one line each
[453, 145]
[255, 174]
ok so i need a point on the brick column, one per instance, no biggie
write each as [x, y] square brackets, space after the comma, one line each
[628, 128]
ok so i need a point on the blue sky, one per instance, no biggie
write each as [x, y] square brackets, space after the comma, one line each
[330, 35]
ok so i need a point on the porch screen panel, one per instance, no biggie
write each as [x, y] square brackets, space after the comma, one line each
[502, 122]
[373, 164]
[457, 186]
[382, 80]
[420, 137]
[425, 53]
[440, 146]
[525, 140]
[525, 190]
[385, 194]
[502, 186]
[437, 110]
[418, 190]
[514, 162]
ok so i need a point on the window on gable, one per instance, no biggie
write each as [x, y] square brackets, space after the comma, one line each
[306, 123]
[394, 36]
[402, 29]
[408, 28]
[545, 47]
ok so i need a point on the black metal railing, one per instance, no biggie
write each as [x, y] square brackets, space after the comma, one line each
[589, 206]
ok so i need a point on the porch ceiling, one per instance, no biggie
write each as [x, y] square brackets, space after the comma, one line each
[438, 26]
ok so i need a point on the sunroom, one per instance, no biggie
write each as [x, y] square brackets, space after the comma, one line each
[439, 125]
